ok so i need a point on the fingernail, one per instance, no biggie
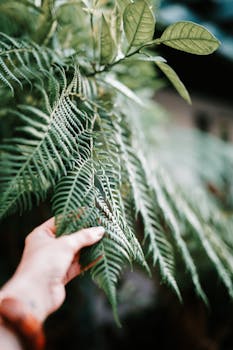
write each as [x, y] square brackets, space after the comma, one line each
[98, 230]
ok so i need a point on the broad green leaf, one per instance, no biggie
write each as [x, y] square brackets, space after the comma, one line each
[117, 27]
[107, 44]
[189, 37]
[122, 4]
[139, 23]
[174, 79]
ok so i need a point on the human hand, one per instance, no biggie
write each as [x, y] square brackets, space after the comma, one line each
[47, 265]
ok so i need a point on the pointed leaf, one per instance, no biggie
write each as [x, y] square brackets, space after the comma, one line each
[174, 79]
[107, 44]
[139, 23]
[117, 27]
[189, 37]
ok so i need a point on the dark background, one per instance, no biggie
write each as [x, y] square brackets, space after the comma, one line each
[211, 75]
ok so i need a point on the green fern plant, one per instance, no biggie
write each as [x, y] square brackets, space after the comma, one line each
[76, 139]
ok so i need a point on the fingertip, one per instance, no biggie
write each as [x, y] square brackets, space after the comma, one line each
[93, 234]
[98, 231]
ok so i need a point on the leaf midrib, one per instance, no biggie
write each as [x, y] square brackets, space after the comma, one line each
[139, 22]
[160, 40]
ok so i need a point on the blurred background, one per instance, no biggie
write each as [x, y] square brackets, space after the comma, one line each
[150, 313]
[207, 78]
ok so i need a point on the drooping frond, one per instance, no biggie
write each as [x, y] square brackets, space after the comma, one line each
[77, 203]
[188, 216]
[22, 61]
[176, 231]
[110, 172]
[90, 195]
[33, 161]
[158, 245]
[200, 230]
[155, 182]
[117, 251]
[199, 219]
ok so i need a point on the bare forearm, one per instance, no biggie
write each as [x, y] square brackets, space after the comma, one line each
[9, 340]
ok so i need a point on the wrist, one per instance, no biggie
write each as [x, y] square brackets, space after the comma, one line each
[27, 329]
[24, 289]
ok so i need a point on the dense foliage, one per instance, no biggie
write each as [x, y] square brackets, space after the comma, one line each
[74, 132]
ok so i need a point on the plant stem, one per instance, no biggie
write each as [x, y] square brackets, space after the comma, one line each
[127, 55]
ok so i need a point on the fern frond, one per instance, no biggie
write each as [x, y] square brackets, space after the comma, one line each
[109, 172]
[117, 251]
[159, 246]
[170, 218]
[155, 182]
[199, 229]
[108, 162]
[106, 273]
[74, 193]
[93, 189]
[188, 217]
[222, 249]
[22, 60]
[34, 161]
[108, 220]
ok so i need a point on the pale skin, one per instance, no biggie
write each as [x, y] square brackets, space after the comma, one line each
[47, 265]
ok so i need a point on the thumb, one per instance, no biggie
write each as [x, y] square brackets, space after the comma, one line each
[83, 238]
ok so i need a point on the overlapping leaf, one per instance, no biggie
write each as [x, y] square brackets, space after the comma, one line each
[139, 23]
